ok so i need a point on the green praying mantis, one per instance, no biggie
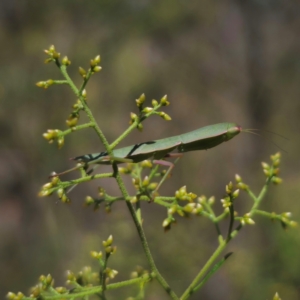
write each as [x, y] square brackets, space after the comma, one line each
[200, 139]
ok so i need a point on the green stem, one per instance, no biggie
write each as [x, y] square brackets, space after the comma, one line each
[212, 272]
[97, 289]
[63, 70]
[76, 128]
[66, 184]
[267, 214]
[78, 93]
[60, 81]
[103, 277]
[132, 127]
[221, 216]
[209, 263]
[120, 182]
[142, 236]
[124, 134]
[261, 195]
[231, 210]
[203, 271]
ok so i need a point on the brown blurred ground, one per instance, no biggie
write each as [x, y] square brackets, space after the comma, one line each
[236, 61]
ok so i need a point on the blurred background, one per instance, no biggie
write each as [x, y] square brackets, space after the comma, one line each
[218, 61]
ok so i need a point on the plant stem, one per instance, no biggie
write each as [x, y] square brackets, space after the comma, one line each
[97, 289]
[202, 272]
[210, 262]
[78, 93]
[119, 180]
[142, 236]
[261, 195]
[76, 128]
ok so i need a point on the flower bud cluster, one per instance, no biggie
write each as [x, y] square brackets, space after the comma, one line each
[231, 195]
[285, 219]
[134, 118]
[146, 111]
[183, 195]
[226, 202]
[47, 280]
[74, 116]
[96, 202]
[63, 196]
[78, 106]
[85, 277]
[240, 184]
[54, 134]
[143, 186]
[72, 119]
[88, 201]
[272, 171]
[138, 272]
[140, 101]
[246, 219]
[146, 164]
[94, 67]
[13, 296]
[276, 297]
[203, 200]
[109, 249]
[165, 116]
[47, 188]
[136, 183]
[65, 61]
[70, 277]
[126, 170]
[52, 53]
[45, 84]
[94, 63]
[61, 289]
[193, 207]
[164, 101]
[168, 222]
[110, 273]
[96, 255]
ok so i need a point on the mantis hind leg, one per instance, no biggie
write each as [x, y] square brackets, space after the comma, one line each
[168, 164]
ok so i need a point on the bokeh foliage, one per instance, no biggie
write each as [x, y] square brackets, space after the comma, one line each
[229, 61]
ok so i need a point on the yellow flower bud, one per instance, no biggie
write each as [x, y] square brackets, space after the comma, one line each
[97, 59]
[235, 194]
[238, 178]
[140, 127]
[108, 242]
[145, 182]
[265, 165]
[147, 110]
[10, 296]
[82, 72]
[164, 101]
[72, 121]
[154, 103]
[166, 223]
[65, 61]
[89, 200]
[97, 69]
[60, 142]
[84, 93]
[41, 84]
